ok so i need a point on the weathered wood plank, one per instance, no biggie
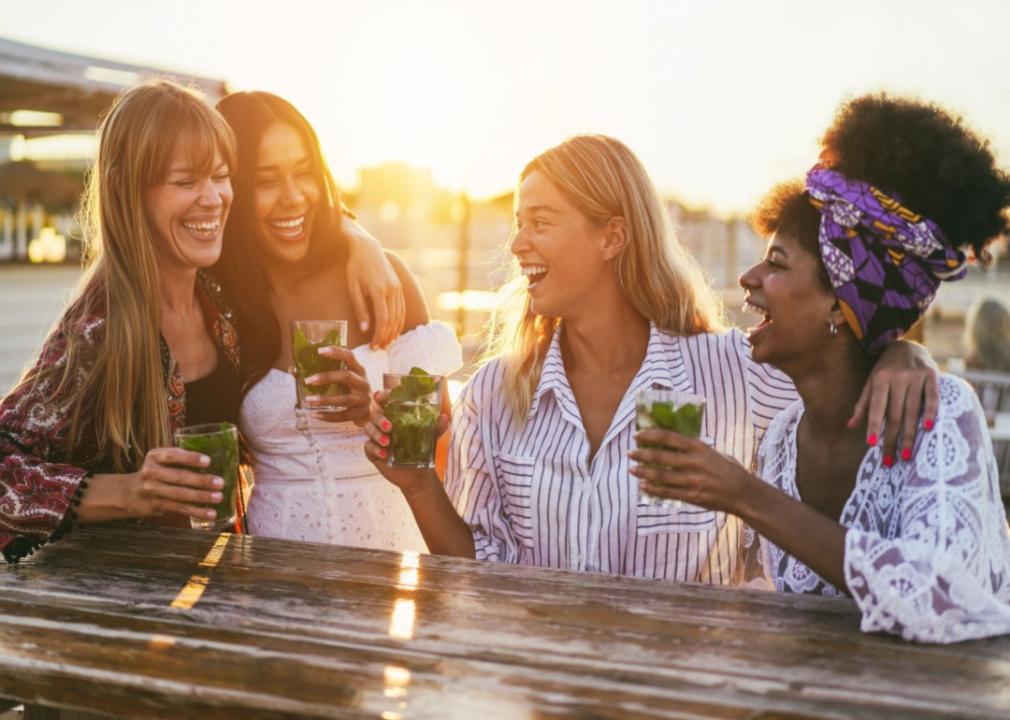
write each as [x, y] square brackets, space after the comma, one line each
[301, 630]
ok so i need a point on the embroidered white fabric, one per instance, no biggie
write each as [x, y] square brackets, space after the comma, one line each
[316, 483]
[927, 552]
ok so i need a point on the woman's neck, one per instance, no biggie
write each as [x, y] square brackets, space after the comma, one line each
[829, 384]
[288, 275]
[177, 289]
[610, 336]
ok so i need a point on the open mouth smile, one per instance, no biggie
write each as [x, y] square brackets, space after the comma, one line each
[289, 228]
[752, 332]
[534, 274]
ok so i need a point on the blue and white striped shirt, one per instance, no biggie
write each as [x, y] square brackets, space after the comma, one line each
[531, 497]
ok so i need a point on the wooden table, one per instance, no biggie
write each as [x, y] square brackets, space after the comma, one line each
[160, 623]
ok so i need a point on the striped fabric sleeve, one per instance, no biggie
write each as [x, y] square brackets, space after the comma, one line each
[471, 482]
[770, 390]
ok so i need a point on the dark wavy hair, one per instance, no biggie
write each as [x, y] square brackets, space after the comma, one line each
[914, 151]
[241, 267]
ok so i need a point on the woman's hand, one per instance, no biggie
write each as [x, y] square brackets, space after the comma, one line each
[903, 383]
[353, 377]
[687, 469]
[162, 485]
[371, 276]
[378, 429]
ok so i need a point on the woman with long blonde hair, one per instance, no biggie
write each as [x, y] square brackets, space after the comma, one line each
[147, 344]
[605, 303]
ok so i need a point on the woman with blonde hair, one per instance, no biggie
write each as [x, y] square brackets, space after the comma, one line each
[987, 336]
[606, 303]
[146, 346]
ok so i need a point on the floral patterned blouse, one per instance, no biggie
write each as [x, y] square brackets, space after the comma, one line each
[39, 479]
[927, 550]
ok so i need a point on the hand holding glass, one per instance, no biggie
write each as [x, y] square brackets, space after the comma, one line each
[219, 442]
[668, 410]
[413, 408]
[307, 337]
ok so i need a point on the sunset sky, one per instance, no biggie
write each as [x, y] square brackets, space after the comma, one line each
[719, 98]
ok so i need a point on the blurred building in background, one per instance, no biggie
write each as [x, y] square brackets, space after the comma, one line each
[50, 102]
[457, 246]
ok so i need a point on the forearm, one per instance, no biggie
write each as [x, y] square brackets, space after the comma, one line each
[442, 528]
[104, 500]
[816, 540]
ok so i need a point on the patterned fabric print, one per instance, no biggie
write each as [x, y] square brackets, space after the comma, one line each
[220, 320]
[927, 547]
[38, 484]
[884, 261]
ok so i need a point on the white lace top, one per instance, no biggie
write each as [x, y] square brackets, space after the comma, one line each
[927, 552]
[315, 483]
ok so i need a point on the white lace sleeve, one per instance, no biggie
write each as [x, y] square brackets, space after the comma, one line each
[471, 482]
[432, 347]
[945, 577]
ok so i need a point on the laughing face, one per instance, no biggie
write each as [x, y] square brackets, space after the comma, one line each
[287, 193]
[557, 248]
[187, 210]
[785, 289]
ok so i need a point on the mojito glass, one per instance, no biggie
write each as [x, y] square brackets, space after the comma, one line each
[307, 336]
[219, 442]
[670, 410]
[413, 407]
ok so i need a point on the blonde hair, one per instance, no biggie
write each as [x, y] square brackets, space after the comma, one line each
[603, 179]
[121, 396]
[987, 335]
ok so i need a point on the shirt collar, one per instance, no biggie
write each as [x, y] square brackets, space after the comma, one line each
[663, 367]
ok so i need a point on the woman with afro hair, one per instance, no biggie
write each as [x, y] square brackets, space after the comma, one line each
[854, 257]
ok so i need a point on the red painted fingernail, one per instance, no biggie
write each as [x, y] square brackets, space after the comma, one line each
[871, 440]
[928, 424]
[906, 454]
[888, 460]
[384, 453]
[386, 425]
[384, 440]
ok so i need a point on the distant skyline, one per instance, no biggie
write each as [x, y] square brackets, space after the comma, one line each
[719, 98]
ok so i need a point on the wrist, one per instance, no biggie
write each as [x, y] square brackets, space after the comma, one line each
[105, 499]
[422, 487]
[757, 505]
[748, 499]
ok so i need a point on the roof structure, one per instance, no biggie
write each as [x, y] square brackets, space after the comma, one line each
[77, 87]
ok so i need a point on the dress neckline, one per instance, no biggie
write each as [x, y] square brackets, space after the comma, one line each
[790, 486]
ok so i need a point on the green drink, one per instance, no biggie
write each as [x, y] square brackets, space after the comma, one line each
[307, 336]
[413, 407]
[219, 442]
[669, 410]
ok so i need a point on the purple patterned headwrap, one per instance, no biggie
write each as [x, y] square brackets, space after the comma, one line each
[884, 261]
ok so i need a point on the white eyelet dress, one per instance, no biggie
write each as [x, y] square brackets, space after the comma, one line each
[316, 484]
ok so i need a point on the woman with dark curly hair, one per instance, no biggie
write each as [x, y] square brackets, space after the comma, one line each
[855, 256]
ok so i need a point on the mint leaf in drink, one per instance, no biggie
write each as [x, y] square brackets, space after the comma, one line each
[689, 420]
[298, 342]
[413, 410]
[414, 386]
[309, 362]
[685, 420]
[664, 414]
[221, 447]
